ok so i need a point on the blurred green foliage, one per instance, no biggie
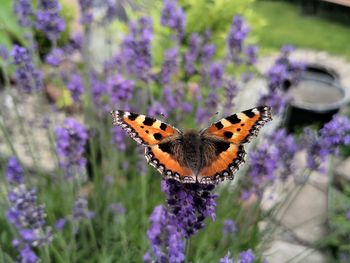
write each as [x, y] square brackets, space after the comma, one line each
[286, 24]
[10, 31]
[336, 243]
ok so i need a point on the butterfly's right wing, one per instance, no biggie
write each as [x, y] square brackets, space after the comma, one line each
[143, 129]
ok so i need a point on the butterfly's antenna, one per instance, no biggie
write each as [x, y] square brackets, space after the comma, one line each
[211, 120]
[214, 116]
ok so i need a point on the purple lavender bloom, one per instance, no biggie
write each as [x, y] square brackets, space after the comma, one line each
[216, 73]
[284, 72]
[76, 87]
[24, 12]
[24, 214]
[28, 255]
[316, 154]
[28, 235]
[319, 146]
[247, 76]
[227, 258]
[212, 102]
[60, 223]
[188, 206]
[277, 75]
[336, 133]
[276, 99]
[55, 57]
[169, 98]
[118, 138]
[85, 10]
[164, 233]
[186, 107]
[231, 90]
[190, 202]
[49, 5]
[287, 49]
[172, 97]
[287, 147]
[4, 53]
[75, 44]
[114, 64]
[246, 256]
[348, 215]
[251, 52]
[81, 211]
[236, 37]
[271, 161]
[263, 168]
[202, 115]
[49, 20]
[136, 48]
[111, 11]
[71, 140]
[20, 55]
[207, 52]
[173, 17]
[170, 65]
[120, 89]
[99, 91]
[157, 109]
[14, 171]
[192, 53]
[117, 209]
[147, 257]
[27, 76]
[229, 227]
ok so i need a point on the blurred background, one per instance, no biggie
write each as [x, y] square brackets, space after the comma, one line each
[75, 188]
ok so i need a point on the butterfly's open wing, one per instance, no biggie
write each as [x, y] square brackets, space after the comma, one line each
[232, 132]
[157, 137]
[241, 127]
[143, 129]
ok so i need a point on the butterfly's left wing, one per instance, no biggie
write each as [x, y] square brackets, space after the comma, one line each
[232, 132]
[159, 138]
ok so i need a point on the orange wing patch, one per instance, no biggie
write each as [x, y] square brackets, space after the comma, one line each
[224, 166]
[143, 129]
[241, 127]
[167, 165]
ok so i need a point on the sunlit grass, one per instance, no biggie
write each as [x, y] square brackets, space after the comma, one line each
[286, 24]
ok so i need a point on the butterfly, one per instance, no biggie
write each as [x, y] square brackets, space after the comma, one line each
[207, 156]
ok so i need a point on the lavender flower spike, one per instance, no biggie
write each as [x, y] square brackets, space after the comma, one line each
[319, 146]
[227, 258]
[246, 256]
[25, 215]
[173, 17]
[76, 87]
[49, 20]
[28, 78]
[71, 140]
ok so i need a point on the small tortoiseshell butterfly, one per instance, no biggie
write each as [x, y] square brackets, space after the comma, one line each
[207, 157]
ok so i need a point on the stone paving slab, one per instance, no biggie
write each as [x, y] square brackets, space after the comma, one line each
[282, 251]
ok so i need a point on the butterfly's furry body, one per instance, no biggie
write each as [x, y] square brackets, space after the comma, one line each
[206, 157]
[193, 149]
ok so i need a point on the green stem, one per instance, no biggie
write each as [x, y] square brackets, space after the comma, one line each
[8, 139]
[187, 250]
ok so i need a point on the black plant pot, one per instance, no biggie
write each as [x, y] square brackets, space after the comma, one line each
[315, 99]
